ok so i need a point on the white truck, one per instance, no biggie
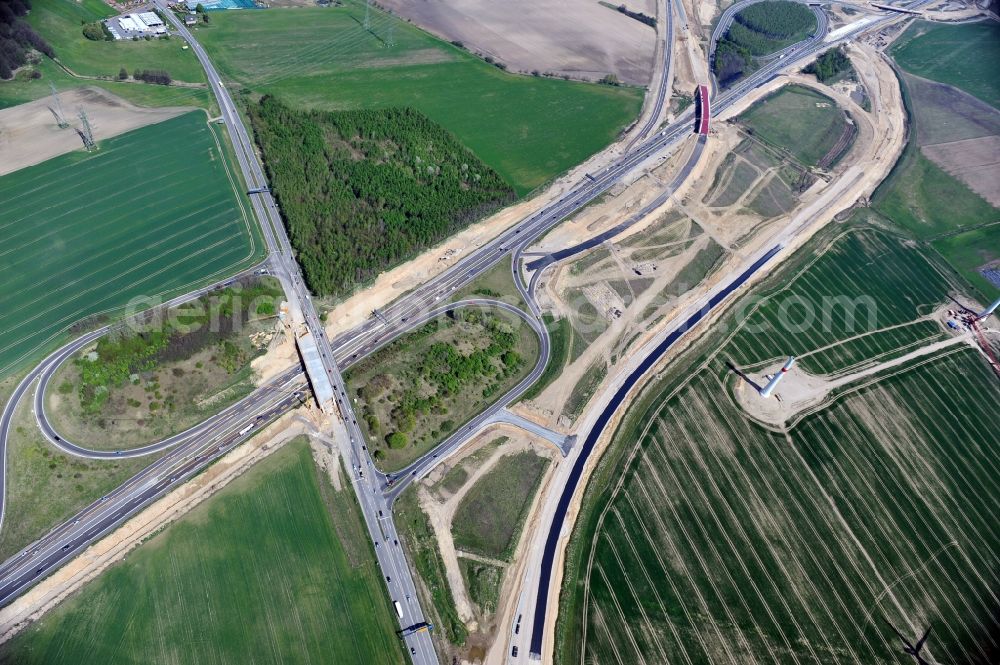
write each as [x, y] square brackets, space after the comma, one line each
[399, 608]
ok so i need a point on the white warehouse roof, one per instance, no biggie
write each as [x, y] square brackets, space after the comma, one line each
[132, 24]
[150, 18]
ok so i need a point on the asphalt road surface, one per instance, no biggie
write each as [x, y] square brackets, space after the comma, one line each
[190, 453]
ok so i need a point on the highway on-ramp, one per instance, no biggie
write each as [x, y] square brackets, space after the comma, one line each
[187, 455]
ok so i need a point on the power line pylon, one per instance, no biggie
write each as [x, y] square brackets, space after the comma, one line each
[368, 15]
[86, 133]
[58, 110]
[390, 42]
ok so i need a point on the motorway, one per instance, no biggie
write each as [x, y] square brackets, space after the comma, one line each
[682, 174]
[374, 507]
[101, 517]
[537, 583]
[59, 356]
[665, 46]
[193, 451]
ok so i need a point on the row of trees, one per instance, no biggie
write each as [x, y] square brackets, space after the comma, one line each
[361, 191]
[158, 76]
[17, 38]
[829, 65]
[638, 16]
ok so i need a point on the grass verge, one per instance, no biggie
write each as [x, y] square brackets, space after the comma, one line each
[422, 551]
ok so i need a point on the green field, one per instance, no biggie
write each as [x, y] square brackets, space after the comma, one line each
[969, 250]
[871, 281]
[918, 194]
[154, 211]
[705, 537]
[959, 55]
[932, 205]
[275, 569]
[60, 23]
[729, 543]
[528, 129]
[806, 124]
[489, 518]
[928, 201]
[21, 90]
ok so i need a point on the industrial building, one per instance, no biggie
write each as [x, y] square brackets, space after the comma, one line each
[143, 24]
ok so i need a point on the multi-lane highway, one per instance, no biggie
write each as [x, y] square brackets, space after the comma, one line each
[538, 578]
[102, 516]
[375, 509]
[194, 449]
[665, 46]
[57, 357]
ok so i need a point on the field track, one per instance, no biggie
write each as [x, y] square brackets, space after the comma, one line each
[723, 541]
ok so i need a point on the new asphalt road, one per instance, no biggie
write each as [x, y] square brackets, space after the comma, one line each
[224, 432]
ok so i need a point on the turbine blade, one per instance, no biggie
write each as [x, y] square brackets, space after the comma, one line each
[920, 642]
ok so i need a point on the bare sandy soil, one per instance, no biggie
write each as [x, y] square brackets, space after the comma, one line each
[976, 162]
[578, 38]
[868, 163]
[955, 10]
[29, 133]
[112, 548]
[281, 354]
[691, 48]
[394, 283]
[440, 506]
[800, 392]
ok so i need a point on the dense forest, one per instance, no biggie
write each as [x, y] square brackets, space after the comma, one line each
[361, 191]
[829, 65]
[17, 38]
[758, 30]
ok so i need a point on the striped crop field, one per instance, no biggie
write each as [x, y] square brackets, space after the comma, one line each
[275, 569]
[706, 537]
[153, 212]
[864, 294]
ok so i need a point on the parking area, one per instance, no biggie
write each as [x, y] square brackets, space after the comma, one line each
[136, 25]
